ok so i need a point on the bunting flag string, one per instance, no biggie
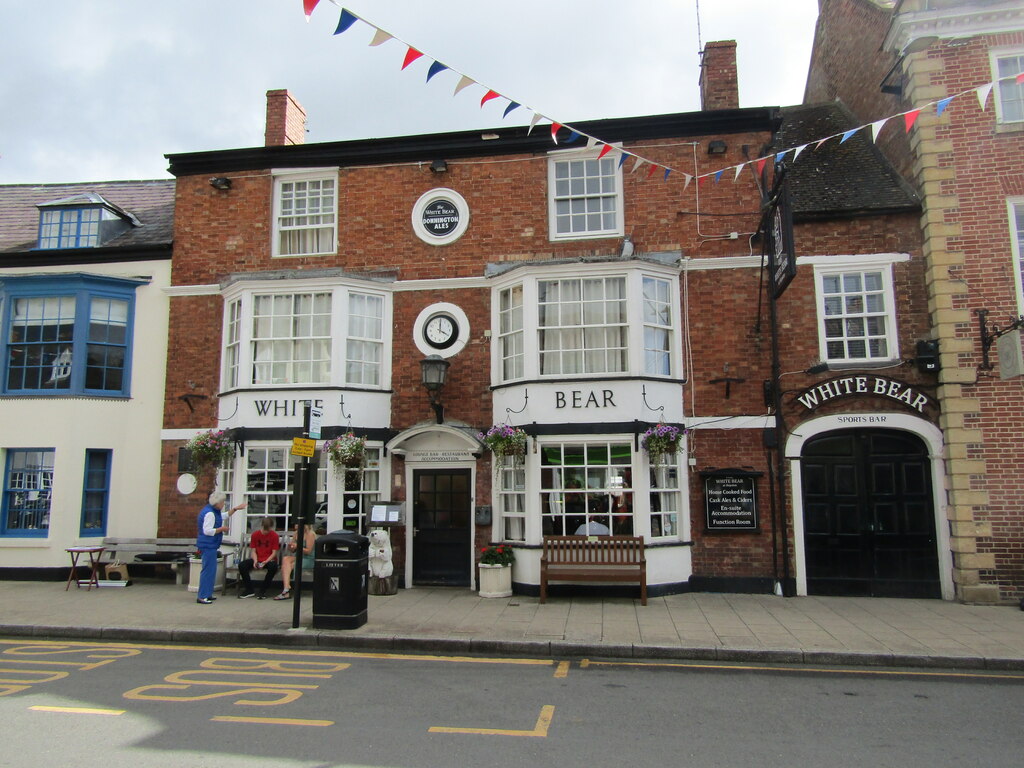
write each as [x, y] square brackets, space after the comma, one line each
[380, 36]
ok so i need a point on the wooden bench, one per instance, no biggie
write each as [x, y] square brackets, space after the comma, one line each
[242, 551]
[173, 553]
[593, 558]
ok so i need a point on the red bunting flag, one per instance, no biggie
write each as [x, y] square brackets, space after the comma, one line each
[910, 117]
[1020, 78]
[411, 55]
[652, 169]
[488, 96]
[308, 6]
[554, 131]
[759, 165]
[604, 151]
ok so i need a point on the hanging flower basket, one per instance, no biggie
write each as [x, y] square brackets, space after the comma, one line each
[661, 439]
[504, 440]
[212, 448]
[346, 451]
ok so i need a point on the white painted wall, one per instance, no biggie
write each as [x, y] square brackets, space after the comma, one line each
[130, 428]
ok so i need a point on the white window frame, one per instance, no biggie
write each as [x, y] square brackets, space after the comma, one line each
[238, 334]
[557, 158]
[828, 266]
[292, 351]
[289, 176]
[524, 341]
[1015, 215]
[1009, 86]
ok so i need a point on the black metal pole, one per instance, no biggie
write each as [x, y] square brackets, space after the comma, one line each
[301, 503]
[780, 433]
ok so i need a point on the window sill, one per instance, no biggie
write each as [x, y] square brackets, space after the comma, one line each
[862, 365]
[585, 236]
[62, 396]
[1009, 128]
[303, 255]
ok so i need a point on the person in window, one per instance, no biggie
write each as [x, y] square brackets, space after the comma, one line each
[622, 515]
[264, 547]
[575, 505]
[212, 528]
[593, 528]
[288, 561]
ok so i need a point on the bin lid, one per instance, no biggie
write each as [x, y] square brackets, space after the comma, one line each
[342, 542]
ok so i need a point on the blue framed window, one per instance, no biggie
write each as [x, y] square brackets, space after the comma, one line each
[69, 228]
[28, 485]
[67, 334]
[96, 492]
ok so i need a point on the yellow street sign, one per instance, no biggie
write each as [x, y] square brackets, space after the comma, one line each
[303, 446]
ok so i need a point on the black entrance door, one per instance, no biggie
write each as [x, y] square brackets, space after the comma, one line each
[441, 548]
[869, 519]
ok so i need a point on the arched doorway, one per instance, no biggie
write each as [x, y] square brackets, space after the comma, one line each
[868, 514]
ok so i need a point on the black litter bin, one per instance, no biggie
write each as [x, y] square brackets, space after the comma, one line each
[339, 580]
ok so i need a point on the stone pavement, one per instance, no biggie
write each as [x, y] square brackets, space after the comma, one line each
[694, 626]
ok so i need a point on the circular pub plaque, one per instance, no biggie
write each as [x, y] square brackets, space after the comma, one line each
[440, 216]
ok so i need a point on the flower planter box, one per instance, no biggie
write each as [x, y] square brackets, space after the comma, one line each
[495, 580]
[195, 567]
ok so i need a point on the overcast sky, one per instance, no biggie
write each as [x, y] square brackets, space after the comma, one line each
[96, 90]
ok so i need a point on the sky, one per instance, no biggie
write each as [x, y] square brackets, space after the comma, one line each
[101, 90]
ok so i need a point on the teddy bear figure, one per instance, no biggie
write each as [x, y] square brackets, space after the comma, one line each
[380, 553]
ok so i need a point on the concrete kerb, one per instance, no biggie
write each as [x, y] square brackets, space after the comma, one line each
[338, 640]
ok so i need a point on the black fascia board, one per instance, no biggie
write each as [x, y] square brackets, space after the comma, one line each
[463, 144]
[853, 213]
[60, 257]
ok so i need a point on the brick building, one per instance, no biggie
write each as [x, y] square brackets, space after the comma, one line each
[83, 328]
[881, 59]
[584, 300]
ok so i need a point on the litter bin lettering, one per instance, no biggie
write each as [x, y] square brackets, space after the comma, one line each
[340, 580]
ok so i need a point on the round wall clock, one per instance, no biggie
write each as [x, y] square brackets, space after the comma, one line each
[441, 330]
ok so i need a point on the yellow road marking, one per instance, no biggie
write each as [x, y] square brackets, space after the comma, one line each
[251, 650]
[832, 671]
[271, 721]
[540, 730]
[562, 670]
[79, 710]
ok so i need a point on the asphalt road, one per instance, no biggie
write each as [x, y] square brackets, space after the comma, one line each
[151, 705]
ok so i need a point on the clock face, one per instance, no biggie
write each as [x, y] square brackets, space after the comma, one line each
[441, 331]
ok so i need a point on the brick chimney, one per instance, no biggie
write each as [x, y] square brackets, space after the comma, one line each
[719, 85]
[286, 120]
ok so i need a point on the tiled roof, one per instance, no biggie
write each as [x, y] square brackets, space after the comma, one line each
[852, 178]
[151, 202]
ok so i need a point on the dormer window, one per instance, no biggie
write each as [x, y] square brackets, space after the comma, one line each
[82, 221]
[69, 228]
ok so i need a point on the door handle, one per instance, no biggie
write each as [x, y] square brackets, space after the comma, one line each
[415, 531]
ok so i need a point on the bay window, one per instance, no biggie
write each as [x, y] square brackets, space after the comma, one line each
[67, 335]
[291, 338]
[621, 323]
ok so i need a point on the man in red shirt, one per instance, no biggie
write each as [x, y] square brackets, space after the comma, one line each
[264, 545]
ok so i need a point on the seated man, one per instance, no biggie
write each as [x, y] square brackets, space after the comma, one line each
[593, 528]
[264, 546]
